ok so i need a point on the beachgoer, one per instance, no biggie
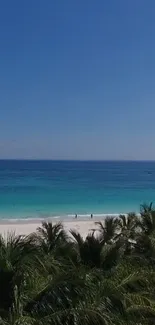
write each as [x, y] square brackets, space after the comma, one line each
[91, 216]
[76, 216]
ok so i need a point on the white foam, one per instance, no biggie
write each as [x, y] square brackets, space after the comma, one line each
[63, 218]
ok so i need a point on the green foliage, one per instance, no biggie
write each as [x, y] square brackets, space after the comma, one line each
[108, 278]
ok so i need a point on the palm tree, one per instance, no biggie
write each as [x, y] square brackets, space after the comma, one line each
[70, 298]
[88, 298]
[51, 236]
[145, 208]
[49, 278]
[145, 241]
[88, 250]
[128, 226]
[19, 258]
[93, 252]
[147, 220]
[108, 229]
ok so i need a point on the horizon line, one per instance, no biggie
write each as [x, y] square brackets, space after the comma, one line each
[77, 160]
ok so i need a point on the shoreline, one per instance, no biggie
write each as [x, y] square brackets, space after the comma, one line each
[63, 218]
[82, 224]
[21, 228]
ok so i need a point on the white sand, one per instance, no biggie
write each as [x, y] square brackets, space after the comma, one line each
[27, 227]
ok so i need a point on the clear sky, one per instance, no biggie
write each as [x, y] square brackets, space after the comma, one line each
[77, 79]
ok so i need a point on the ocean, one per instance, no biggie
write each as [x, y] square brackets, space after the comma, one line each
[37, 189]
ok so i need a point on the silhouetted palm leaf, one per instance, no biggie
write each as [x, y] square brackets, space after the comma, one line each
[51, 235]
[18, 256]
[108, 229]
[89, 250]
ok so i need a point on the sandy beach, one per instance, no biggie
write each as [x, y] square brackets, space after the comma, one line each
[22, 227]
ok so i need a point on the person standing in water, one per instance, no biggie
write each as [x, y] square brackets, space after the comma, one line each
[91, 216]
[76, 216]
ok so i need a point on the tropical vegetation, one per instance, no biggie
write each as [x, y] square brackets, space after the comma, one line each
[54, 278]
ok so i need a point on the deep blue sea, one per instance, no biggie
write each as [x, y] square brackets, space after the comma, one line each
[36, 189]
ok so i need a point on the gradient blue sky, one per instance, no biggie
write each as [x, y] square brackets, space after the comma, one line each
[77, 79]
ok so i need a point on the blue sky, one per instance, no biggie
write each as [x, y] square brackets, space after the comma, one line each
[77, 79]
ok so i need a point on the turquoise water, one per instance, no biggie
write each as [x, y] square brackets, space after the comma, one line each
[34, 189]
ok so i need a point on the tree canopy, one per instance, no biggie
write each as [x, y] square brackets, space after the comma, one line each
[108, 278]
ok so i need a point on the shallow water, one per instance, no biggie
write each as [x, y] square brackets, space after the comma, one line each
[37, 189]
